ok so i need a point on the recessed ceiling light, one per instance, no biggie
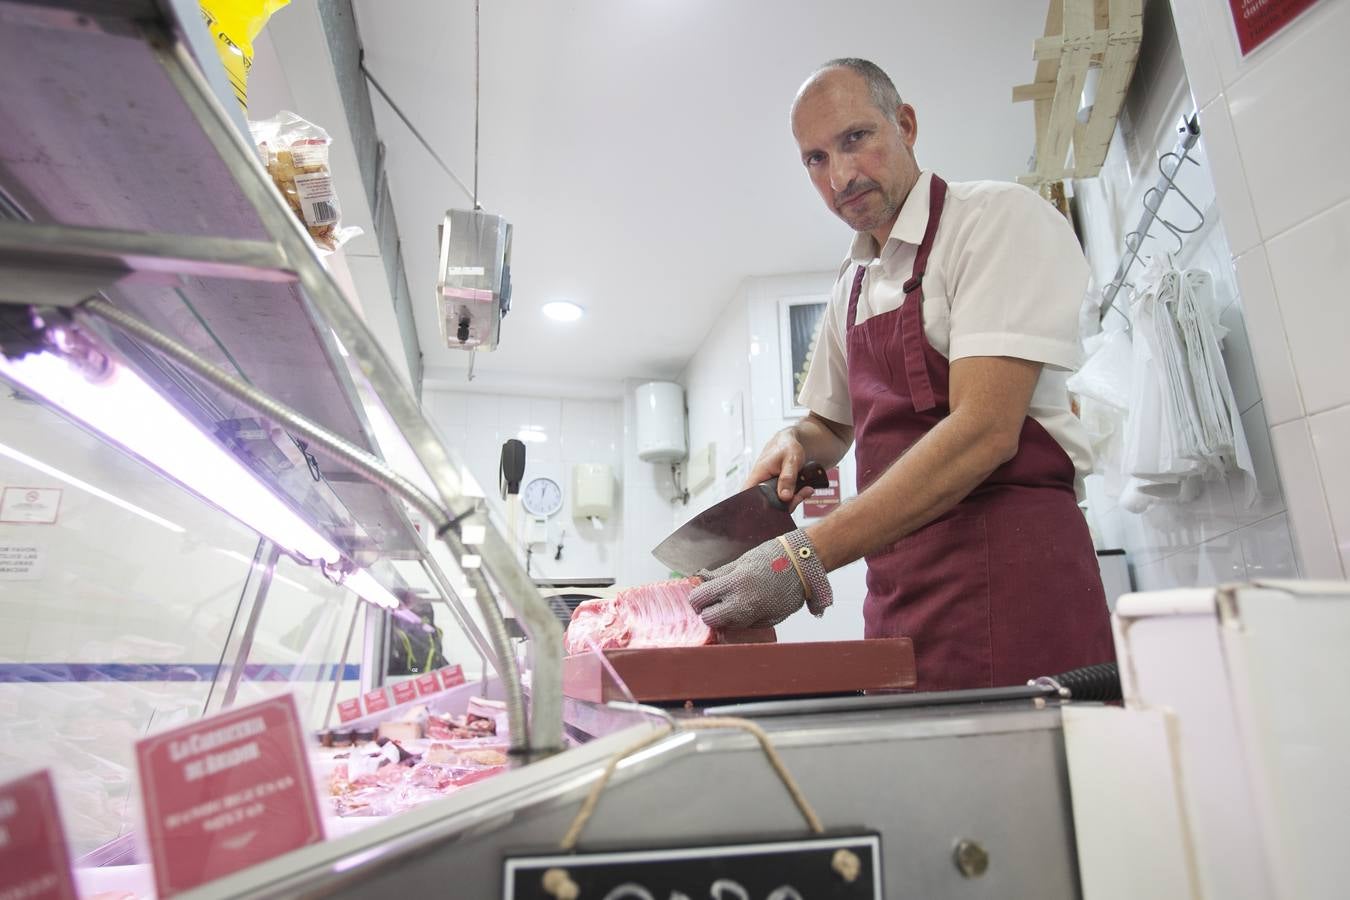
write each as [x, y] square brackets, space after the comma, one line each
[563, 311]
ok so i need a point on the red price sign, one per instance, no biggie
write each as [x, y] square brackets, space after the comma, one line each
[451, 676]
[1258, 20]
[376, 700]
[34, 863]
[405, 691]
[226, 793]
[349, 709]
[428, 684]
[823, 501]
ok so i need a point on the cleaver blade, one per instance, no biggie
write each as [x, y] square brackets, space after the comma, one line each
[721, 533]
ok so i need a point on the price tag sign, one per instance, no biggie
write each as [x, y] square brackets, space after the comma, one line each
[841, 868]
[34, 863]
[1257, 21]
[348, 710]
[429, 683]
[451, 676]
[405, 691]
[824, 500]
[225, 793]
[376, 700]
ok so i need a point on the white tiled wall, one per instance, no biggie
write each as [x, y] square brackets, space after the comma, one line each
[1217, 536]
[1281, 177]
[563, 433]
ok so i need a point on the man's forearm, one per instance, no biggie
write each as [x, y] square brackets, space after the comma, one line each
[935, 474]
[821, 442]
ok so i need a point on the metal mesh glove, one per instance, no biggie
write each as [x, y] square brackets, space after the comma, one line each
[765, 586]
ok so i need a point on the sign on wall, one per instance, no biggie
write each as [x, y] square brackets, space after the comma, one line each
[30, 505]
[21, 562]
[1257, 21]
[824, 500]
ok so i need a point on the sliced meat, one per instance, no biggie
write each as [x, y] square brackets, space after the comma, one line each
[650, 615]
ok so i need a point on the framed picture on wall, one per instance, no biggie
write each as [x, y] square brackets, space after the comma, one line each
[799, 321]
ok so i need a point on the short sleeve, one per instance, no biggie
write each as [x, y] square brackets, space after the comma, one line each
[1018, 283]
[825, 389]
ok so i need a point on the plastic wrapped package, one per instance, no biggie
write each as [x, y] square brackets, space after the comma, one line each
[295, 153]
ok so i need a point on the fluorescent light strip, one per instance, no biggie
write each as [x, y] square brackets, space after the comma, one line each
[128, 411]
[39, 465]
[365, 586]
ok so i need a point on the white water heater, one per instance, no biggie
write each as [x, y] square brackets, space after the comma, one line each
[660, 422]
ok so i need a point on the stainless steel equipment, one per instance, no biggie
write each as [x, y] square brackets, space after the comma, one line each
[969, 800]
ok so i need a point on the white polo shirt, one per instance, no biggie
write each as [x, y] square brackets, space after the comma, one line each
[1005, 278]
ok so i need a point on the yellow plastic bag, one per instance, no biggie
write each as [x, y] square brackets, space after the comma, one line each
[234, 24]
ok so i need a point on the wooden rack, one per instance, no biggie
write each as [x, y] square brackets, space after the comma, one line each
[1080, 35]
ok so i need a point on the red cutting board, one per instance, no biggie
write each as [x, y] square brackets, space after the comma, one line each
[742, 671]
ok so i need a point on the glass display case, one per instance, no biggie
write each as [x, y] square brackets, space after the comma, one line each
[215, 487]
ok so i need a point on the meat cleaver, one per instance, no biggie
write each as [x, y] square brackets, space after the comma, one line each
[721, 533]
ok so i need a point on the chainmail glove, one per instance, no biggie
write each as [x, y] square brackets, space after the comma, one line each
[765, 586]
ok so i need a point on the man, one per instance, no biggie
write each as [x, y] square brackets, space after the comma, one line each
[943, 353]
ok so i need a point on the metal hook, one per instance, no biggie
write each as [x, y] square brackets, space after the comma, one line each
[1170, 178]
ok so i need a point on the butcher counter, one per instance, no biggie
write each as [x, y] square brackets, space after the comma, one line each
[968, 799]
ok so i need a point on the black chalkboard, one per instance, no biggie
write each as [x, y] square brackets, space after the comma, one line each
[769, 870]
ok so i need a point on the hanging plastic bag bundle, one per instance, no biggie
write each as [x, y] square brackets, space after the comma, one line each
[295, 154]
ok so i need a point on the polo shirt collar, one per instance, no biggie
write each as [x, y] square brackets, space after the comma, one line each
[909, 225]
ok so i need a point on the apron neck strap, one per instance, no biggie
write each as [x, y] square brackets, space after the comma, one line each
[937, 196]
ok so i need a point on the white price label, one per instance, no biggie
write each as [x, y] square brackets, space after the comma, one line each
[318, 201]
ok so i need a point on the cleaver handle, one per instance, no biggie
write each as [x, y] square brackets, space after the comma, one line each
[812, 474]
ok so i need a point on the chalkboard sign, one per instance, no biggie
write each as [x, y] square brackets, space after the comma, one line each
[826, 868]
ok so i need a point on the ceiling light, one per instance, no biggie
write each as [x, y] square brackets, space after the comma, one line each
[563, 311]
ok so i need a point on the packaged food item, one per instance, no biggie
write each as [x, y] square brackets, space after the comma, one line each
[234, 24]
[295, 153]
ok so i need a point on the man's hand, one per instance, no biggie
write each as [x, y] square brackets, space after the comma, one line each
[764, 586]
[784, 455]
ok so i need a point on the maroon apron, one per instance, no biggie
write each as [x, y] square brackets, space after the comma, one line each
[1004, 586]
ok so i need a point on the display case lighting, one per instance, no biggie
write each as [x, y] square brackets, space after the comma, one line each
[112, 400]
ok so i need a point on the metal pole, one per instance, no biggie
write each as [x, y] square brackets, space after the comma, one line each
[255, 594]
[461, 614]
[340, 673]
[374, 660]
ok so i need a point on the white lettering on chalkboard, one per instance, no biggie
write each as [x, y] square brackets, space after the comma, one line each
[722, 889]
[630, 892]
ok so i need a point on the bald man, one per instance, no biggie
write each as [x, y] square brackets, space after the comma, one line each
[942, 359]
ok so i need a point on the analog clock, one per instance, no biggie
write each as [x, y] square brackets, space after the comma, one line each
[541, 497]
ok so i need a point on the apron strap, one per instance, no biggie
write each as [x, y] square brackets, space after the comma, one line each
[911, 315]
[853, 297]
